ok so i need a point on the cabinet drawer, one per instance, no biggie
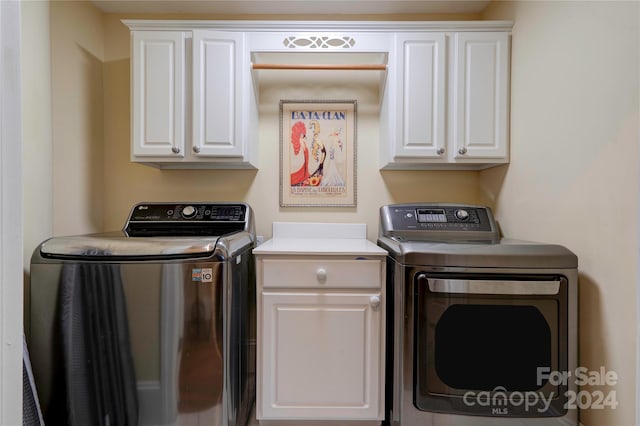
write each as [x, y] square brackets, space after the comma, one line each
[318, 273]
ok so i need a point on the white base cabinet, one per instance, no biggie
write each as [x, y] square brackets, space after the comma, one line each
[321, 355]
[320, 330]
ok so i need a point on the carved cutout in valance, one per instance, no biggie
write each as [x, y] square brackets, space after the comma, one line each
[315, 42]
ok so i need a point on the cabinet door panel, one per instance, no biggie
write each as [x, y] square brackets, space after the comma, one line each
[421, 95]
[481, 99]
[321, 356]
[158, 93]
[216, 65]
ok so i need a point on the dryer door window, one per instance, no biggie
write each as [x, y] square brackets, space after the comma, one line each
[485, 346]
[487, 337]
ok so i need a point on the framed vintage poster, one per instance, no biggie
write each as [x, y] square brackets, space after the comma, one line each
[318, 153]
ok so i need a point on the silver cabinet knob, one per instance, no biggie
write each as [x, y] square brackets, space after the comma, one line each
[321, 274]
[440, 151]
[374, 301]
[175, 150]
[196, 149]
[462, 150]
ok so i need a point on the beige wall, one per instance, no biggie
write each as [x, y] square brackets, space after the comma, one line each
[77, 46]
[574, 172]
[36, 125]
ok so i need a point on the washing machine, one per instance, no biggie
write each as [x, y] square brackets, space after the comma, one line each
[151, 325]
[479, 326]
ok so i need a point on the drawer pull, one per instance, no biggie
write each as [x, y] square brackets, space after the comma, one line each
[374, 301]
[321, 274]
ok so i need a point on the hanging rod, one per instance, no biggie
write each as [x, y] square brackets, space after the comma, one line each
[345, 67]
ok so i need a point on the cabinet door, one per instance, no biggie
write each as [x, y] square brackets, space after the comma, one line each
[480, 95]
[421, 96]
[158, 93]
[217, 67]
[321, 356]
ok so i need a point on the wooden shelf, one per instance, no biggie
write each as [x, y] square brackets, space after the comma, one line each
[322, 67]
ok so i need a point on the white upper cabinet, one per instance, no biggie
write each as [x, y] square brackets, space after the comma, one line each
[217, 104]
[192, 99]
[158, 94]
[480, 96]
[443, 87]
[421, 96]
[451, 101]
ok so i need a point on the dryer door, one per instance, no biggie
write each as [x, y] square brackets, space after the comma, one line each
[485, 344]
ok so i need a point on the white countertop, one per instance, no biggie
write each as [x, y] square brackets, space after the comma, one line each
[319, 239]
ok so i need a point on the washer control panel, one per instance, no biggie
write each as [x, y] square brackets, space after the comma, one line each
[188, 219]
[442, 222]
[202, 212]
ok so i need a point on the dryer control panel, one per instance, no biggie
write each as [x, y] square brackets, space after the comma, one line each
[438, 222]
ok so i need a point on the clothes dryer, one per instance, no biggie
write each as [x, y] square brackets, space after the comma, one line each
[477, 323]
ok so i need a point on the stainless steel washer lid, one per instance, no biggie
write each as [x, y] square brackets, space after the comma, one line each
[505, 254]
[164, 231]
[118, 244]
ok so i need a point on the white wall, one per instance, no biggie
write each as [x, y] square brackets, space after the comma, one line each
[574, 172]
[10, 214]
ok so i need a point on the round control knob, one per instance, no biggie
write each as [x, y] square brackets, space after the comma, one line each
[462, 214]
[188, 212]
